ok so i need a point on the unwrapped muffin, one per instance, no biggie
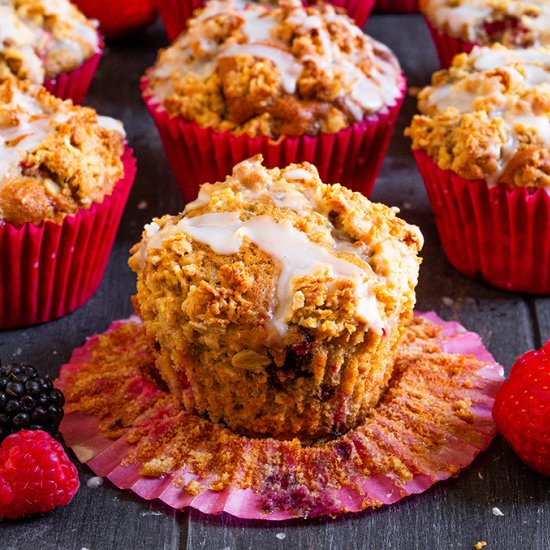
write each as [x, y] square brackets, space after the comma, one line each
[458, 25]
[268, 75]
[40, 40]
[482, 142]
[64, 179]
[276, 301]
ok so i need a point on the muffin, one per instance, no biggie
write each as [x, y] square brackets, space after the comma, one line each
[277, 302]
[48, 42]
[396, 6]
[119, 19]
[482, 145]
[458, 25]
[290, 82]
[176, 13]
[65, 177]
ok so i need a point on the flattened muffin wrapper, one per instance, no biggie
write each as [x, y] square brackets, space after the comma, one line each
[49, 270]
[493, 233]
[117, 19]
[353, 156]
[175, 13]
[432, 421]
[75, 84]
[448, 46]
[396, 6]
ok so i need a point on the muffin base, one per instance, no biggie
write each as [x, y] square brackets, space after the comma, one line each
[493, 233]
[353, 156]
[447, 46]
[74, 84]
[142, 440]
[49, 270]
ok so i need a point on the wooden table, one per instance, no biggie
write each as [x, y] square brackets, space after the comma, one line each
[453, 514]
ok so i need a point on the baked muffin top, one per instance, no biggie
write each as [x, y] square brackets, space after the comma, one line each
[269, 251]
[283, 70]
[488, 116]
[41, 39]
[514, 23]
[54, 157]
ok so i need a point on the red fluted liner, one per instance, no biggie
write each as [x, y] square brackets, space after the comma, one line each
[49, 270]
[417, 435]
[497, 234]
[120, 18]
[447, 46]
[396, 6]
[352, 156]
[74, 84]
[175, 13]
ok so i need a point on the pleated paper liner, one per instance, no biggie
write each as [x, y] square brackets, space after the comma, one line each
[49, 270]
[493, 233]
[175, 13]
[120, 18]
[447, 46]
[74, 84]
[353, 156]
[432, 421]
[396, 6]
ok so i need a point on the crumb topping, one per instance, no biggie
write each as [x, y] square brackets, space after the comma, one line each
[290, 292]
[514, 23]
[54, 157]
[488, 117]
[283, 70]
[41, 39]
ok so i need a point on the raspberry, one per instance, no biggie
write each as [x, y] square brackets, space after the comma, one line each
[28, 401]
[36, 474]
[522, 409]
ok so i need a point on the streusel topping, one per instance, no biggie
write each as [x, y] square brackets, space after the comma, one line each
[514, 23]
[284, 70]
[54, 157]
[41, 39]
[488, 116]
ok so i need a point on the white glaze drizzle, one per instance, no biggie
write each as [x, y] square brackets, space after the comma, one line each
[295, 254]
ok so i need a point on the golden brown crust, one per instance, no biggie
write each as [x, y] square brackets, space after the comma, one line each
[41, 39]
[488, 117]
[286, 70]
[216, 316]
[55, 157]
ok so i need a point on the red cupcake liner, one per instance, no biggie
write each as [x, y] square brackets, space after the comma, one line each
[352, 157]
[49, 270]
[396, 6]
[393, 454]
[493, 233]
[175, 13]
[447, 46]
[74, 84]
[117, 19]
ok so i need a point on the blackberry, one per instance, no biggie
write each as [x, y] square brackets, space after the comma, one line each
[28, 401]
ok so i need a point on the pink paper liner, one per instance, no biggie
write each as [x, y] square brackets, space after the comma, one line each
[352, 157]
[120, 18]
[49, 270]
[105, 457]
[447, 46]
[175, 13]
[396, 6]
[74, 84]
[497, 234]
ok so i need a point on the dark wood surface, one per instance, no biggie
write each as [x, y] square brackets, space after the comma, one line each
[453, 514]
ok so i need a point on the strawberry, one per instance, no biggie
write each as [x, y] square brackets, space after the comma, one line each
[522, 409]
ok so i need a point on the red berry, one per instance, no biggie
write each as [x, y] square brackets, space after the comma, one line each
[36, 474]
[522, 409]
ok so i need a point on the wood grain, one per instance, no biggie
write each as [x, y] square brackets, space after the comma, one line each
[454, 514]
